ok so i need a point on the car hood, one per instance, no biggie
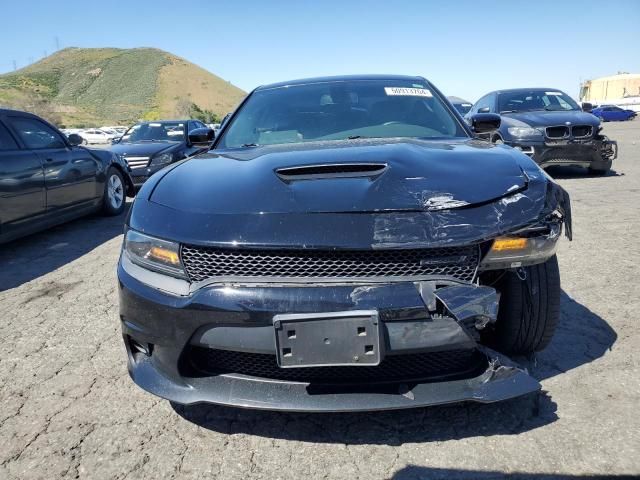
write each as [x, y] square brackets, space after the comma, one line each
[408, 175]
[545, 118]
[144, 149]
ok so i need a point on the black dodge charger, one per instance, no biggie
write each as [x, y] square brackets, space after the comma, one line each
[549, 126]
[346, 244]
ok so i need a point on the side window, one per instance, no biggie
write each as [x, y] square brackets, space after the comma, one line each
[6, 141]
[484, 103]
[36, 134]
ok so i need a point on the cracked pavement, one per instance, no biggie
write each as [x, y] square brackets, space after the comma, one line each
[69, 409]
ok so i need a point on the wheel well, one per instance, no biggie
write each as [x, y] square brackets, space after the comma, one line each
[130, 187]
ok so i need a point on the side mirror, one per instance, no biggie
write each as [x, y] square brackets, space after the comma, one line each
[201, 137]
[75, 139]
[587, 107]
[485, 122]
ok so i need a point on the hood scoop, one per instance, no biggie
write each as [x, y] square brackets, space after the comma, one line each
[330, 170]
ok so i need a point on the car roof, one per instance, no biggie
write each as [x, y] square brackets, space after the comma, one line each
[340, 78]
[454, 99]
[165, 121]
[514, 90]
[9, 111]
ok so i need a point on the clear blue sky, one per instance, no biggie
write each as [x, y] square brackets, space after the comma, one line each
[465, 47]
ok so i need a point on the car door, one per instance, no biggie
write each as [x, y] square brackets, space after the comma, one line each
[22, 188]
[69, 172]
[90, 136]
[618, 113]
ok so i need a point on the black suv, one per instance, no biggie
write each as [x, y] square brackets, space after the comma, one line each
[549, 126]
[150, 146]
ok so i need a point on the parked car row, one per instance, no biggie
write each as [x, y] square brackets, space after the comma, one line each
[102, 135]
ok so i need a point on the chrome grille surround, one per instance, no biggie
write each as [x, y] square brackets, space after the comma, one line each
[137, 162]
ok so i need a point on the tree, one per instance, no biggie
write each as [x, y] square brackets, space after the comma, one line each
[187, 109]
[183, 108]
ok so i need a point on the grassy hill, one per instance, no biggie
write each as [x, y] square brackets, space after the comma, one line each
[97, 86]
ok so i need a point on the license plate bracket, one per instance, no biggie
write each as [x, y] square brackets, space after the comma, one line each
[349, 338]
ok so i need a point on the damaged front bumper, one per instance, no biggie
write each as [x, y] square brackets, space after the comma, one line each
[597, 152]
[171, 341]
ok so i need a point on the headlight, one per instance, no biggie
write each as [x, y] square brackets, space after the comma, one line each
[520, 132]
[526, 247]
[154, 254]
[162, 159]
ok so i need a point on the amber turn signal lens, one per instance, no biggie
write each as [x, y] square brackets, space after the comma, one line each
[164, 255]
[509, 244]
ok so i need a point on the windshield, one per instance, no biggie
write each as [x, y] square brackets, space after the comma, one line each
[155, 132]
[527, 101]
[463, 108]
[340, 110]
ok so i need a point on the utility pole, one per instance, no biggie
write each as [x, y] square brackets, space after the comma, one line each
[57, 40]
[15, 66]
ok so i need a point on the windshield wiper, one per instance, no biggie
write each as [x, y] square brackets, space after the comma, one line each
[554, 109]
[353, 137]
[250, 145]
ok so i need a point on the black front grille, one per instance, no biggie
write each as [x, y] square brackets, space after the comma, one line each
[202, 361]
[204, 263]
[557, 132]
[581, 130]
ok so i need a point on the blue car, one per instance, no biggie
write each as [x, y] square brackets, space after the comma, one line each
[611, 113]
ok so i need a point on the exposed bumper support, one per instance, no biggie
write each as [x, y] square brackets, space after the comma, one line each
[471, 305]
[502, 380]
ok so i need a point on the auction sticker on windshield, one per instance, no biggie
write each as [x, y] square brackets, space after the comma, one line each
[408, 92]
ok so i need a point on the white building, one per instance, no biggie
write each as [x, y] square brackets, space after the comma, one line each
[622, 90]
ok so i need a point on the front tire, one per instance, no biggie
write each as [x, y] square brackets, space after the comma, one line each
[113, 201]
[601, 168]
[529, 309]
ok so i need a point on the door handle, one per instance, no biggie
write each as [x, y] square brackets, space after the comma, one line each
[49, 159]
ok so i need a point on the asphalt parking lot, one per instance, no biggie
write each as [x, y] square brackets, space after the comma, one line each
[69, 409]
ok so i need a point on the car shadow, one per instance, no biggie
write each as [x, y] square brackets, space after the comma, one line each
[568, 172]
[581, 338]
[415, 472]
[30, 257]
